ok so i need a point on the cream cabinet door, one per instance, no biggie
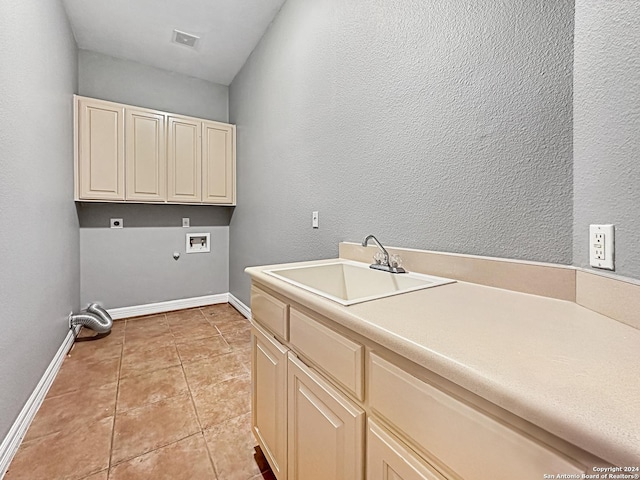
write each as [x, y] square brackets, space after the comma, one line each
[184, 160]
[100, 150]
[146, 163]
[269, 399]
[389, 459]
[218, 163]
[325, 428]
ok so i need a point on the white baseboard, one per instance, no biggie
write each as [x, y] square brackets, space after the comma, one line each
[241, 307]
[161, 307]
[11, 442]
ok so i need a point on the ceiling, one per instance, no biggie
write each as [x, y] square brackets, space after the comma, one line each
[142, 31]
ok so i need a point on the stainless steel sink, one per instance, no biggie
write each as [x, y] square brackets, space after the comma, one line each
[349, 282]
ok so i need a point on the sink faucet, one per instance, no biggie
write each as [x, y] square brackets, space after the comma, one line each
[385, 266]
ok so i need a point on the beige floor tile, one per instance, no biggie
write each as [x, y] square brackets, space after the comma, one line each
[232, 448]
[66, 455]
[146, 320]
[193, 329]
[103, 475]
[230, 324]
[151, 387]
[72, 410]
[146, 428]
[179, 316]
[186, 459]
[213, 370]
[139, 343]
[91, 350]
[148, 360]
[268, 475]
[77, 374]
[239, 340]
[201, 349]
[222, 401]
[148, 330]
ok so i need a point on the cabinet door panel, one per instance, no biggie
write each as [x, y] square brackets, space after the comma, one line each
[325, 429]
[218, 159]
[389, 459]
[146, 159]
[100, 150]
[467, 441]
[269, 399]
[184, 160]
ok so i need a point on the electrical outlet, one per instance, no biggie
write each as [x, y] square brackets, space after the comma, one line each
[186, 222]
[601, 246]
[116, 223]
[314, 220]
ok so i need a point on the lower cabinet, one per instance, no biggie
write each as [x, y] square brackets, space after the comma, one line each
[325, 428]
[389, 459]
[269, 399]
[305, 427]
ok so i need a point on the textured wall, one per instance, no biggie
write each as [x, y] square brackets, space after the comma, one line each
[134, 266]
[607, 127]
[39, 276]
[443, 125]
[124, 81]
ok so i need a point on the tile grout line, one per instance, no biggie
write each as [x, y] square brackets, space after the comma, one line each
[115, 407]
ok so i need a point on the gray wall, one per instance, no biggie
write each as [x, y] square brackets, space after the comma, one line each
[124, 81]
[443, 125]
[607, 127]
[134, 266]
[39, 277]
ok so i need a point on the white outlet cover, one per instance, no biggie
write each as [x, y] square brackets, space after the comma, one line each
[186, 222]
[116, 223]
[602, 250]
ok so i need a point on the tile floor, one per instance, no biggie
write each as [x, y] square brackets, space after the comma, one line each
[162, 397]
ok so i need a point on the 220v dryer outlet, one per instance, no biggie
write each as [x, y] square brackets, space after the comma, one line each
[601, 246]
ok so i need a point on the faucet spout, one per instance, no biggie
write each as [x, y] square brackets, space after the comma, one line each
[365, 242]
[385, 265]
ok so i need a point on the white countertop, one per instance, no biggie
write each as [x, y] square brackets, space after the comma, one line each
[562, 367]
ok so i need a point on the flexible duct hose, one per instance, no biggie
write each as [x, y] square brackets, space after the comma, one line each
[96, 318]
[96, 309]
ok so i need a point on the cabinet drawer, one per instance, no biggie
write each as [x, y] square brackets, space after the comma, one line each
[470, 443]
[270, 312]
[335, 354]
[388, 458]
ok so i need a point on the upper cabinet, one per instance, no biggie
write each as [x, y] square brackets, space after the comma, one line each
[185, 160]
[218, 162]
[145, 153]
[99, 150]
[131, 154]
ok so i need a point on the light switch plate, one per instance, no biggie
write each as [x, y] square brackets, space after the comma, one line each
[601, 246]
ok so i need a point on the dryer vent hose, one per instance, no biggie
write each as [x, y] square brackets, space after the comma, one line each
[95, 317]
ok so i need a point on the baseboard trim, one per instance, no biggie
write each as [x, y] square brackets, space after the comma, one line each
[241, 307]
[161, 307]
[12, 441]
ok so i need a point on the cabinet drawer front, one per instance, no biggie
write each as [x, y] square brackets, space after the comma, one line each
[335, 354]
[468, 442]
[389, 459]
[270, 312]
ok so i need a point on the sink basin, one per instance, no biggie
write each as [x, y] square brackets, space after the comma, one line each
[349, 282]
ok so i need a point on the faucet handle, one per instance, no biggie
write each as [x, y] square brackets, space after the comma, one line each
[378, 258]
[395, 261]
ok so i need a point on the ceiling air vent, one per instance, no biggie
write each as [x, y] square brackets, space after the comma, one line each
[185, 38]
